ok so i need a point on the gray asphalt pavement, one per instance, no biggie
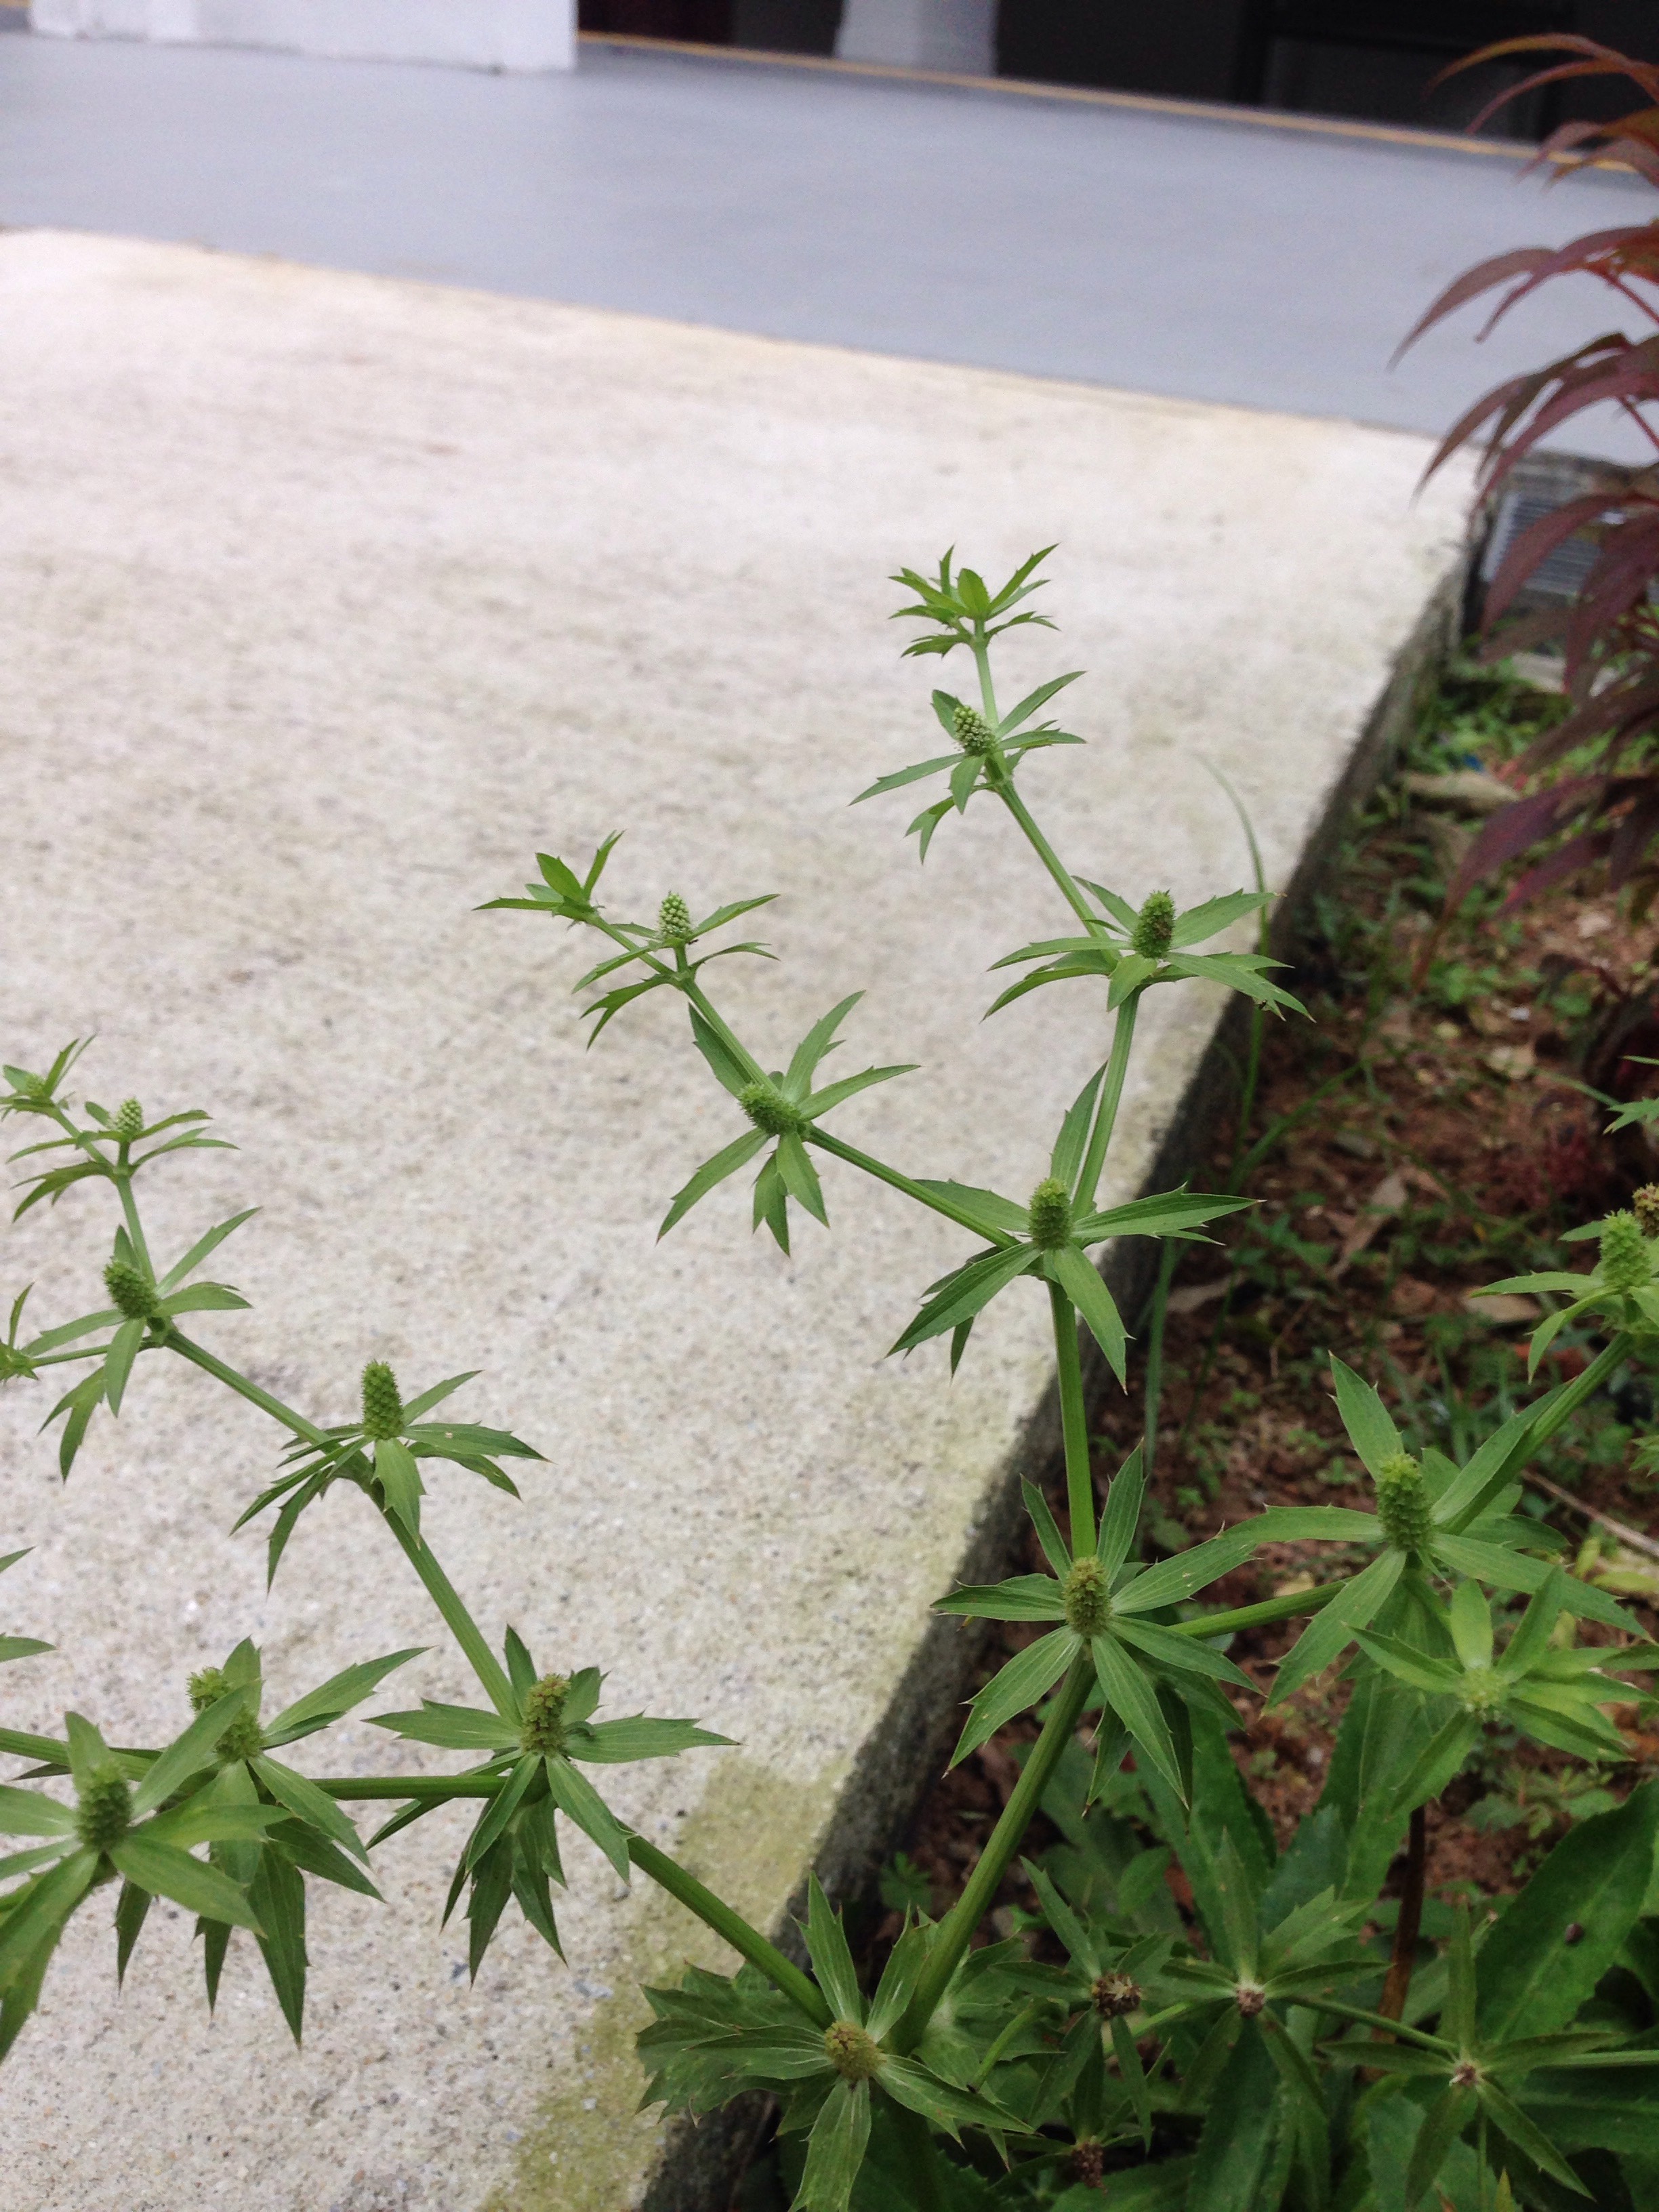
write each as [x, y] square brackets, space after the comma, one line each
[1203, 259]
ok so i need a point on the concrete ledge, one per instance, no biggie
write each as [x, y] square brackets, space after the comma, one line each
[334, 599]
[516, 35]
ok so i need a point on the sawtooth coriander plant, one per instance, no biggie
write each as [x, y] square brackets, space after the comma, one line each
[1306, 2032]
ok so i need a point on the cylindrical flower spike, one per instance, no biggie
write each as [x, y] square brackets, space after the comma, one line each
[131, 1292]
[1154, 926]
[674, 920]
[104, 1812]
[542, 1731]
[1087, 1596]
[1627, 1263]
[1402, 1502]
[1049, 1214]
[974, 733]
[129, 1120]
[383, 1409]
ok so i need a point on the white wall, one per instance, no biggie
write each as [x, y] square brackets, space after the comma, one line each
[493, 35]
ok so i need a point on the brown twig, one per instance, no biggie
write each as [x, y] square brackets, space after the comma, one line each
[1621, 1529]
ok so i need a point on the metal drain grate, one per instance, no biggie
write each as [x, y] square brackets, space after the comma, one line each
[1563, 573]
[1539, 486]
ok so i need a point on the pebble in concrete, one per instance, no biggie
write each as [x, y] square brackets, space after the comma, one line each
[331, 598]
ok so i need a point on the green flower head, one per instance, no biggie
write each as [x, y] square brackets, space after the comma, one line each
[131, 1292]
[853, 2051]
[770, 1111]
[1402, 1502]
[1154, 926]
[244, 1738]
[1050, 1215]
[1627, 1262]
[129, 1120]
[383, 1409]
[1483, 1690]
[974, 733]
[1087, 1597]
[104, 1811]
[543, 1732]
[674, 920]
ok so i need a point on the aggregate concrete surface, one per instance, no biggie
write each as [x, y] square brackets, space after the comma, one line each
[328, 599]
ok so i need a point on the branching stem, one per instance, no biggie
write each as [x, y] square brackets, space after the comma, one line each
[458, 1621]
[1074, 1423]
[956, 1931]
[415, 1550]
[1106, 1106]
[1050, 860]
[934, 1200]
[297, 1424]
[731, 1928]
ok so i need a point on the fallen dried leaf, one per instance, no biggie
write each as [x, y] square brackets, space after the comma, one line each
[1464, 791]
[1504, 1308]
[1192, 1296]
[1387, 1198]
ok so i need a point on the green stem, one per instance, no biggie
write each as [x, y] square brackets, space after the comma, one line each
[1001, 782]
[731, 1928]
[1257, 1616]
[921, 2157]
[295, 1423]
[434, 1789]
[123, 1179]
[1016, 2026]
[956, 1931]
[980, 647]
[440, 1589]
[1555, 1417]
[1050, 860]
[667, 1873]
[933, 1199]
[1483, 2172]
[1074, 1423]
[699, 998]
[459, 1622]
[1111, 1095]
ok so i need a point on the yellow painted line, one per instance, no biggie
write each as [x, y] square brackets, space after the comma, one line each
[1141, 103]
